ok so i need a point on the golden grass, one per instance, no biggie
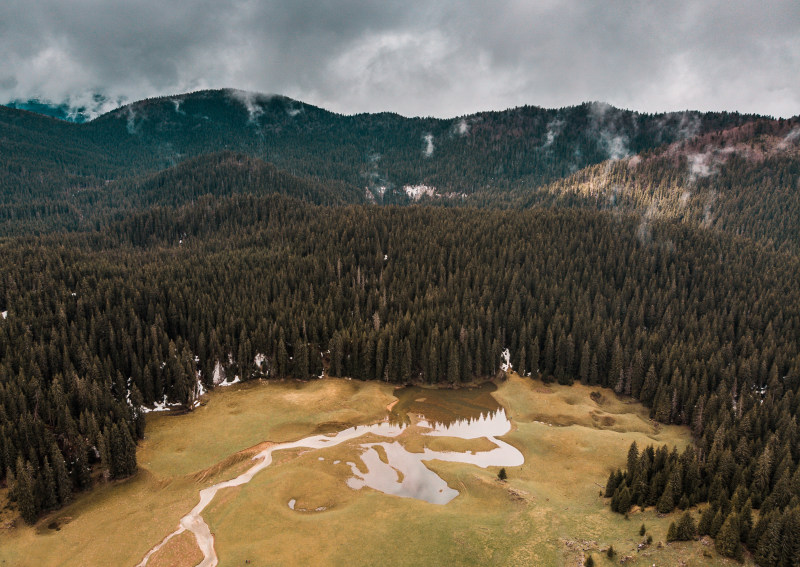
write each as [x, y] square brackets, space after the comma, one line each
[180, 551]
[116, 524]
[548, 512]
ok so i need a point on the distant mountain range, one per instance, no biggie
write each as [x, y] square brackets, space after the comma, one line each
[707, 168]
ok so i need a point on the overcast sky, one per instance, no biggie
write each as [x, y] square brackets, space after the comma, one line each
[415, 57]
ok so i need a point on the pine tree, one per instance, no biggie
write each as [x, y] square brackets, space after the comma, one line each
[633, 460]
[614, 480]
[63, 482]
[727, 540]
[49, 500]
[768, 547]
[301, 360]
[672, 532]
[453, 372]
[666, 503]
[706, 519]
[24, 492]
[283, 358]
[686, 529]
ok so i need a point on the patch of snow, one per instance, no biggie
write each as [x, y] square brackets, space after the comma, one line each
[506, 357]
[259, 359]
[453, 195]
[219, 374]
[416, 192]
[159, 406]
[292, 502]
[224, 383]
[4, 314]
[385, 257]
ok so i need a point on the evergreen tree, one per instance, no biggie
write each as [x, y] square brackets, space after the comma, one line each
[686, 528]
[24, 492]
[727, 540]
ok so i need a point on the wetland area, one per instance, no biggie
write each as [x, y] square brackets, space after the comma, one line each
[341, 472]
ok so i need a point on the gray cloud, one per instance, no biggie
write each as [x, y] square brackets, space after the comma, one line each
[414, 57]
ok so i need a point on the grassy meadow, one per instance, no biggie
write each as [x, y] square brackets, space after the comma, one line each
[548, 512]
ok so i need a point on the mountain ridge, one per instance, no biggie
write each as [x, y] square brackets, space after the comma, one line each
[518, 157]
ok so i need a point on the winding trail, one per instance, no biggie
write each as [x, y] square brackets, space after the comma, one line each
[416, 480]
[193, 521]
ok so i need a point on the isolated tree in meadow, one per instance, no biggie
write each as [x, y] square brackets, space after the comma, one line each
[502, 474]
[672, 532]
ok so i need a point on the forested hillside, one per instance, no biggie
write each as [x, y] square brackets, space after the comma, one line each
[704, 329]
[177, 242]
[744, 180]
[50, 164]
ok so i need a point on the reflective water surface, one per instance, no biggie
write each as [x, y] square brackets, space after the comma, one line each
[403, 473]
[469, 414]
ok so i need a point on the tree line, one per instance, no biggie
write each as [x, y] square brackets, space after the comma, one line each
[703, 329]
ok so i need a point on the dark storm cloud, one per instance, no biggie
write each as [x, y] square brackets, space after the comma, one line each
[413, 57]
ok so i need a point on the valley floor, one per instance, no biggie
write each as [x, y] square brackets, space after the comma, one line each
[548, 512]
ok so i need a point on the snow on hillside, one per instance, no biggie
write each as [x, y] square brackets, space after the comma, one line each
[416, 192]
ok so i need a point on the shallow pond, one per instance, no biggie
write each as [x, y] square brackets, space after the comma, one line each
[466, 414]
[394, 470]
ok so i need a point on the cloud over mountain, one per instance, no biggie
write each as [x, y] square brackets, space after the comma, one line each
[446, 59]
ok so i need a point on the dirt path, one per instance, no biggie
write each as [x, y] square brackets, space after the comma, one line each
[193, 521]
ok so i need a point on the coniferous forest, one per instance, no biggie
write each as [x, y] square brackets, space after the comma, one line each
[130, 283]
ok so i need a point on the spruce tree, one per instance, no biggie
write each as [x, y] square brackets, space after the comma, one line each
[727, 540]
[672, 532]
[686, 528]
[24, 492]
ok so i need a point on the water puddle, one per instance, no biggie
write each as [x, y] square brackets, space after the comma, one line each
[193, 521]
[390, 467]
[403, 473]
